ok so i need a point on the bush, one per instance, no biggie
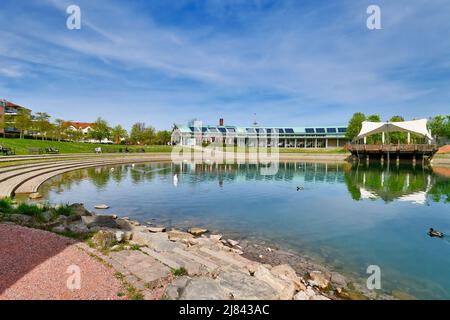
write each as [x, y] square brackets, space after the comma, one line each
[6, 205]
[64, 210]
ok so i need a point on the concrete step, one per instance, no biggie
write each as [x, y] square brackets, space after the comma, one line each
[188, 254]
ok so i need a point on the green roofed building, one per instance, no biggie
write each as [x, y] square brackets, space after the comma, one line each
[196, 134]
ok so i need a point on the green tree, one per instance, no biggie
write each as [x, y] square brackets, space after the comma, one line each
[354, 125]
[6, 122]
[136, 134]
[59, 128]
[42, 124]
[440, 127]
[22, 121]
[118, 133]
[375, 138]
[100, 130]
[148, 136]
[162, 137]
[397, 137]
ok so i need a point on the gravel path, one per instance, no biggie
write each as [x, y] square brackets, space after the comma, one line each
[34, 265]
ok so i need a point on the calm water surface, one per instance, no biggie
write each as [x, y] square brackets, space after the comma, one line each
[347, 216]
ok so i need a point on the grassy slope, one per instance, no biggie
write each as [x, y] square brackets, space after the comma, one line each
[21, 146]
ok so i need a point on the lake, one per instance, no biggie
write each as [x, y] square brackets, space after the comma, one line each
[345, 215]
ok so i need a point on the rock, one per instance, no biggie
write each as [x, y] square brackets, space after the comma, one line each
[232, 242]
[60, 228]
[216, 237]
[176, 235]
[285, 288]
[156, 229]
[20, 218]
[285, 271]
[79, 210]
[338, 279]
[242, 286]
[156, 241]
[319, 279]
[116, 247]
[203, 288]
[120, 235]
[103, 239]
[114, 216]
[197, 231]
[127, 236]
[101, 206]
[99, 221]
[237, 251]
[174, 290]
[301, 296]
[77, 227]
[46, 216]
[35, 196]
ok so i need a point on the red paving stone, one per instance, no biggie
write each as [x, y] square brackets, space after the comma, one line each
[34, 263]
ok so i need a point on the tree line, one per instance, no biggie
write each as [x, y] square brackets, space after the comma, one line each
[438, 125]
[40, 126]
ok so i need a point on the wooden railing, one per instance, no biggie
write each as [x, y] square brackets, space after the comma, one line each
[394, 148]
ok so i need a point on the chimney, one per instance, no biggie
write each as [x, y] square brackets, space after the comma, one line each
[221, 122]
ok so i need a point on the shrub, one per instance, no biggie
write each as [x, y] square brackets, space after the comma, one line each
[6, 205]
[179, 272]
[64, 210]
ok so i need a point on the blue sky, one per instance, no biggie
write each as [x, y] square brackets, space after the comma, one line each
[290, 62]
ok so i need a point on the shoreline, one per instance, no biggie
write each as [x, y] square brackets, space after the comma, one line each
[192, 253]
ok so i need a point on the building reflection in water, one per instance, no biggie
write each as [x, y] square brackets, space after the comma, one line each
[415, 184]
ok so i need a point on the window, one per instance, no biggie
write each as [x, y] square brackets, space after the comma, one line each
[231, 130]
[289, 130]
[223, 130]
[195, 129]
[204, 129]
[261, 130]
[309, 130]
[213, 130]
[320, 130]
[279, 130]
[342, 130]
[269, 130]
[250, 130]
[331, 130]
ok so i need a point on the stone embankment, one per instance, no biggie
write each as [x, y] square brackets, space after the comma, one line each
[174, 264]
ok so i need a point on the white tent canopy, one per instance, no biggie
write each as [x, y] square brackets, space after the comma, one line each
[418, 127]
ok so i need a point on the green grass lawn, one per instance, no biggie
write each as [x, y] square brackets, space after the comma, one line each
[22, 146]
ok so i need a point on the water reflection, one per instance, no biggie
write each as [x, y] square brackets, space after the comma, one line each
[415, 184]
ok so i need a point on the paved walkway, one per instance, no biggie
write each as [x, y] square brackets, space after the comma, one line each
[34, 265]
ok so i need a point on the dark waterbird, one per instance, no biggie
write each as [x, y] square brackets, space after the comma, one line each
[300, 188]
[436, 234]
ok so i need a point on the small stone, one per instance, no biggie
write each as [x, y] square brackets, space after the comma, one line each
[59, 229]
[114, 216]
[103, 239]
[260, 256]
[215, 237]
[116, 247]
[269, 249]
[101, 206]
[176, 235]
[319, 279]
[156, 229]
[126, 218]
[232, 242]
[197, 231]
[35, 196]
[237, 251]
[120, 235]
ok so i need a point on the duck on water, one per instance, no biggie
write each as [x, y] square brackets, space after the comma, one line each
[435, 234]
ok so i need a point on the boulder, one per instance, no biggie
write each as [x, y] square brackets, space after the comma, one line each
[99, 221]
[285, 288]
[232, 242]
[156, 241]
[79, 210]
[104, 239]
[242, 286]
[338, 279]
[319, 279]
[20, 218]
[285, 271]
[176, 235]
[101, 206]
[216, 237]
[35, 196]
[197, 231]
[203, 288]
[156, 229]
[77, 227]
[301, 296]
